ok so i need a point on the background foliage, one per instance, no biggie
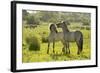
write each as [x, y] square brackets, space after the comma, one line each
[36, 17]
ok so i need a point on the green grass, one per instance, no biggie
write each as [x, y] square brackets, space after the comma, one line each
[42, 56]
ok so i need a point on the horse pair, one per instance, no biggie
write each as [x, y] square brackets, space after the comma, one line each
[65, 37]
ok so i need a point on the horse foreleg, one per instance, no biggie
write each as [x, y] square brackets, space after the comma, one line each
[53, 46]
[68, 47]
[48, 47]
[63, 50]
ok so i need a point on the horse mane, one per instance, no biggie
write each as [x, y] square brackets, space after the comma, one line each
[53, 28]
[65, 25]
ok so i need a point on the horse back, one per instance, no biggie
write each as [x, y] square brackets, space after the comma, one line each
[73, 36]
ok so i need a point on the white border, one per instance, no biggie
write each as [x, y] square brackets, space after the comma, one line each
[21, 65]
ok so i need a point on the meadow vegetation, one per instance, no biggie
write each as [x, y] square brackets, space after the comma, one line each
[35, 43]
[35, 46]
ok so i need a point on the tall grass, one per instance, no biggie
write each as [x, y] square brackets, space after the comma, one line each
[38, 35]
[30, 40]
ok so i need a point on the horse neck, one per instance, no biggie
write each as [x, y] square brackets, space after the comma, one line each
[54, 32]
[65, 29]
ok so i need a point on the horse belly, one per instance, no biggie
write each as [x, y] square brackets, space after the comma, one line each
[70, 38]
[51, 38]
[58, 36]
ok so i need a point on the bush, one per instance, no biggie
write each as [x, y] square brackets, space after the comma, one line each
[33, 43]
[87, 28]
[24, 45]
[44, 40]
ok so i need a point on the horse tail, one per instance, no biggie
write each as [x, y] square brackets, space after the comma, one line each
[81, 43]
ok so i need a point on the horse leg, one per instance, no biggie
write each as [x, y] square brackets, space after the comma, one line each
[66, 52]
[48, 47]
[63, 50]
[78, 44]
[53, 46]
[68, 47]
[81, 43]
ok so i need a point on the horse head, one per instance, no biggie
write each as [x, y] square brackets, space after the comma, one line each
[61, 24]
[53, 28]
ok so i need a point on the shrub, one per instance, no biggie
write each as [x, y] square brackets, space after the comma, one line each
[87, 28]
[33, 43]
[44, 39]
[82, 27]
[24, 45]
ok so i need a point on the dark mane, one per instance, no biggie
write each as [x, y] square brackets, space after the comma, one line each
[53, 28]
[66, 25]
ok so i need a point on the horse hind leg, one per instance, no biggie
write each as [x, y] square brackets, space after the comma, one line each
[78, 45]
[81, 43]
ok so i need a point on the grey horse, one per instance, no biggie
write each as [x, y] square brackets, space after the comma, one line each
[75, 36]
[55, 36]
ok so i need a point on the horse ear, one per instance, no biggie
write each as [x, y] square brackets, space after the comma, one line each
[62, 21]
[67, 22]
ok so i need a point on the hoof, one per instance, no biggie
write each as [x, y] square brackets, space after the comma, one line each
[47, 52]
[78, 53]
[53, 52]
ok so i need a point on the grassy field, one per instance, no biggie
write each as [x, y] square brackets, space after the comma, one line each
[41, 55]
